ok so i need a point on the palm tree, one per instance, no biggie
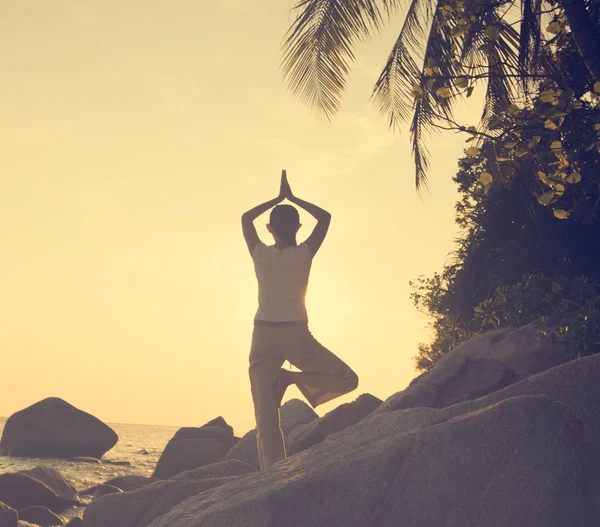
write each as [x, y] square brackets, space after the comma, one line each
[443, 48]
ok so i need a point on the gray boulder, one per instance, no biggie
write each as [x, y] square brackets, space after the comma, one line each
[292, 414]
[54, 428]
[519, 462]
[191, 448]
[40, 516]
[39, 486]
[141, 507]
[480, 366]
[223, 469]
[345, 415]
[8, 516]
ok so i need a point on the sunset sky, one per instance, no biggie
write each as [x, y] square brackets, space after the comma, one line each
[133, 135]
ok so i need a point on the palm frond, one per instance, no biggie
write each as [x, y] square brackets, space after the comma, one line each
[392, 91]
[318, 50]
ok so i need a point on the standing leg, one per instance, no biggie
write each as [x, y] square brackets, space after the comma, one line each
[269, 438]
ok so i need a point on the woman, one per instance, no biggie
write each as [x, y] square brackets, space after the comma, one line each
[281, 323]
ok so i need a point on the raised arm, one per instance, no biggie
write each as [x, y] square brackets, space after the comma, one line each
[323, 218]
[250, 234]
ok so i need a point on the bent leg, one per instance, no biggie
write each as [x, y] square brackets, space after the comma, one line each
[269, 438]
[323, 375]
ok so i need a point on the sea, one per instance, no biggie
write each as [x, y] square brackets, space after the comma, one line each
[136, 452]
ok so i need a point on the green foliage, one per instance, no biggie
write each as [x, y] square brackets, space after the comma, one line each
[530, 215]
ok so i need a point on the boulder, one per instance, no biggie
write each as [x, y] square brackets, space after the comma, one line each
[54, 480]
[519, 462]
[40, 516]
[191, 448]
[75, 522]
[223, 469]
[345, 415]
[141, 507]
[292, 414]
[103, 490]
[8, 516]
[39, 486]
[480, 366]
[127, 483]
[54, 428]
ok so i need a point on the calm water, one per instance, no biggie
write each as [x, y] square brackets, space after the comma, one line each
[133, 439]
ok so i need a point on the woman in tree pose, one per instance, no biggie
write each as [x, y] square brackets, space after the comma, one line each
[281, 323]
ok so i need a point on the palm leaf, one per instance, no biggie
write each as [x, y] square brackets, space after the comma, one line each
[318, 50]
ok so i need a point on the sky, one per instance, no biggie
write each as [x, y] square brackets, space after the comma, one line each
[133, 135]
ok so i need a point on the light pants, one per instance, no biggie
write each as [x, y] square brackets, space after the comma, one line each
[323, 377]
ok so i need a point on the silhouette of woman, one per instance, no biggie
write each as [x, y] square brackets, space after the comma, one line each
[281, 323]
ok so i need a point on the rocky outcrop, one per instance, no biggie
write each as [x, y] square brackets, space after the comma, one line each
[40, 486]
[40, 516]
[481, 366]
[141, 507]
[519, 462]
[345, 415]
[54, 428]
[223, 469]
[293, 413]
[75, 522]
[191, 448]
[8, 516]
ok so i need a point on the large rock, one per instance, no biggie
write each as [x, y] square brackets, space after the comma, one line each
[519, 462]
[191, 448]
[39, 486]
[8, 516]
[54, 428]
[141, 507]
[480, 366]
[292, 414]
[40, 516]
[223, 469]
[345, 415]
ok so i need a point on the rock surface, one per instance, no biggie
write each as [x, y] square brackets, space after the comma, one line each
[140, 507]
[345, 415]
[191, 448]
[519, 462]
[223, 469]
[54, 428]
[40, 516]
[292, 414]
[75, 522]
[8, 516]
[481, 366]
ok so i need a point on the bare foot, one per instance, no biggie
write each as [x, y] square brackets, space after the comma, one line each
[286, 378]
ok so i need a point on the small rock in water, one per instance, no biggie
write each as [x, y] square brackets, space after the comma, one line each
[144, 452]
[103, 490]
[40, 516]
[8, 516]
[118, 463]
[85, 459]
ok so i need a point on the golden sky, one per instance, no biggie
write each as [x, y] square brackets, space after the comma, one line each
[133, 135]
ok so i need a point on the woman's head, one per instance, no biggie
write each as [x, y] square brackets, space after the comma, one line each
[284, 223]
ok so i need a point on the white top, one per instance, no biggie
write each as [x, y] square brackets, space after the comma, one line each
[282, 276]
